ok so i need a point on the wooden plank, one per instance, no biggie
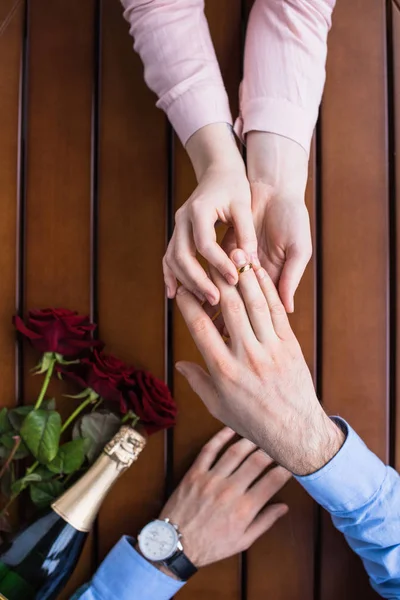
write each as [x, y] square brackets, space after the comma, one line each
[281, 564]
[11, 32]
[133, 171]
[396, 125]
[58, 176]
[196, 426]
[10, 57]
[355, 254]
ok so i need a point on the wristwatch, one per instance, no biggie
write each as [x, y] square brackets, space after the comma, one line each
[159, 542]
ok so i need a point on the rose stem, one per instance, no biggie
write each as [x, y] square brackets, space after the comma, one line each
[45, 383]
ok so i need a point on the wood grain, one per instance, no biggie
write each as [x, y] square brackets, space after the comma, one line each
[396, 65]
[133, 158]
[220, 581]
[58, 173]
[10, 58]
[354, 254]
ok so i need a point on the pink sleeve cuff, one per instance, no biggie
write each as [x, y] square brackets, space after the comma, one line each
[276, 115]
[195, 108]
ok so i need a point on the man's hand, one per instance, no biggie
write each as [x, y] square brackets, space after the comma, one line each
[220, 505]
[222, 194]
[259, 383]
[277, 171]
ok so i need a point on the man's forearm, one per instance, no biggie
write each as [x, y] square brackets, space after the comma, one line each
[125, 574]
[363, 498]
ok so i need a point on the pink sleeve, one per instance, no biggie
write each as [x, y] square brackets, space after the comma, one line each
[284, 68]
[180, 66]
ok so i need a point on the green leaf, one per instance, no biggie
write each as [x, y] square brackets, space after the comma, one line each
[16, 416]
[97, 428]
[69, 458]
[43, 493]
[41, 433]
[22, 483]
[44, 472]
[7, 443]
[4, 422]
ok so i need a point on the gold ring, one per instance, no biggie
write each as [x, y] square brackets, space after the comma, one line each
[245, 268]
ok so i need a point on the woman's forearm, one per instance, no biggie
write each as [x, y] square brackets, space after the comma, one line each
[180, 65]
[284, 70]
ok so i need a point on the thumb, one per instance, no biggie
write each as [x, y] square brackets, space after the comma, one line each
[199, 381]
[292, 272]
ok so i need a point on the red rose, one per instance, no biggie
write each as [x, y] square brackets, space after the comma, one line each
[152, 402]
[108, 376]
[57, 330]
[118, 383]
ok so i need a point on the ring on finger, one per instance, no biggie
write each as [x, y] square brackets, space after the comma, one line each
[245, 268]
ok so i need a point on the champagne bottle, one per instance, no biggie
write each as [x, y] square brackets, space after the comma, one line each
[38, 562]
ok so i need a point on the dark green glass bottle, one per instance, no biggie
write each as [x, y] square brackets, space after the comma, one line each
[38, 562]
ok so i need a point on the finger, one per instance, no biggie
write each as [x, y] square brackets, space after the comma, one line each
[294, 267]
[251, 469]
[263, 522]
[233, 457]
[254, 299]
[244, 230]
[205, 240]
[186, 267]
[211, 450]
[279, 317]
[264, 489]
[201, 383]
[234, 313]
[170, 281]
[203, 332]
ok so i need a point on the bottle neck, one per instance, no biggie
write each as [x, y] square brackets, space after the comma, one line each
[79, 505]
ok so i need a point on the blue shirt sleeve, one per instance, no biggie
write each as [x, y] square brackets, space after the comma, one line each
[363, 497]
[124, 574]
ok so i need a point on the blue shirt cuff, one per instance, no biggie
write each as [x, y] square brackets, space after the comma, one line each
[125, 574]
[350, 479]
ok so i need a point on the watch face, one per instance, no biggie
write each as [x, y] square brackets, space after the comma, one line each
[158, 540]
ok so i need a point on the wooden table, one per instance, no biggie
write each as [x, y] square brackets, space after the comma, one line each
[89, 180]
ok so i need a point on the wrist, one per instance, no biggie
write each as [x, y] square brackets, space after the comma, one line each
[156, 565]
[323, 442]
[277, 162]
[214, 146]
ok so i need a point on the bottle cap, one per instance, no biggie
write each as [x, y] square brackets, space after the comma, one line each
[125, 447]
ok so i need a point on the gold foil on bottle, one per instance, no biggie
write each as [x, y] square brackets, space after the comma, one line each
[80, 504]
[125, 447]
[3, 597]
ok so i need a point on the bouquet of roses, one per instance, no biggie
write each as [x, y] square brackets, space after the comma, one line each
[111, 393]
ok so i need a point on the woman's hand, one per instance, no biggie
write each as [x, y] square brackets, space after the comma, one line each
[277, 172]
[223, 194]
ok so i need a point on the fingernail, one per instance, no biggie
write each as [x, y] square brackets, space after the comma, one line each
[213, 301]
[169, 293]
[255, 260]
[181, 290]
[230, 279]
[179, 368]
[239, 258]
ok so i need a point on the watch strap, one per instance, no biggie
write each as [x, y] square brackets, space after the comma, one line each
[181, 566]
